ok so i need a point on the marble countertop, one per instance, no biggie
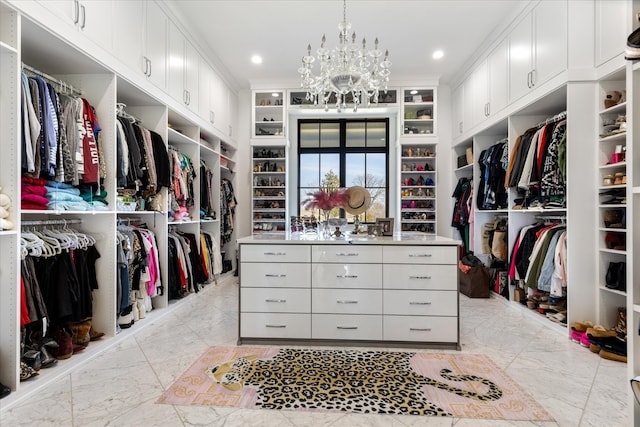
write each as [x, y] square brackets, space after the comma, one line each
[405, 238]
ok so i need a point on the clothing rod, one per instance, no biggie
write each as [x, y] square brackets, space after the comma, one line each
[560, 116]
[29, 223]
[120, 111]
[63, 85]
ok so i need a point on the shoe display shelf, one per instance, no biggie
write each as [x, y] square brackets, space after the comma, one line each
[612, 196]
[418, 188]
[268, 205]
[268, 114]
[418, 111]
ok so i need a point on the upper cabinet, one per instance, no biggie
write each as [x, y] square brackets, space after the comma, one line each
[184, 62]
[217, 102]
[487, 86]
[140, 39]
[458, 110]
[537, 48]
[611, 29]
[155, 45]
[93, 18]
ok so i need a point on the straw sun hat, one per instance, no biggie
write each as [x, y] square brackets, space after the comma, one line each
[358, 200]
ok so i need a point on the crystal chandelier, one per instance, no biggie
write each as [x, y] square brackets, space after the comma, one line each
[346, 69]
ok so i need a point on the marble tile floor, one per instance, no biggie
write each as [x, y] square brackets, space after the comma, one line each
[119, 386]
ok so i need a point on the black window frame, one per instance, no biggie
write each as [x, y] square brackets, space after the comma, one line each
[342, 150]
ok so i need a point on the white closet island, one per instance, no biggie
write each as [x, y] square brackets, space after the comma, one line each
[362, 290]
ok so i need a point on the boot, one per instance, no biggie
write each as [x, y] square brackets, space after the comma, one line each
[95, 335]
[65, 344]
[621, 323]
[47, 359]
[80, 332]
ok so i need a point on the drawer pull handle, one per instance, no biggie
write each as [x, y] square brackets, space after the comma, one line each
[276, 300]
[347, 276]
[347, 327]
[275, 253]
[346, 301]
[420, 303]
[347, 254]
[275, 275]
[419, 255]
[420, 329]
[276, 326]
[420, 277]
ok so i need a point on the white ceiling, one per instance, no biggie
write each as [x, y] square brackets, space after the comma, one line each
[279, 31]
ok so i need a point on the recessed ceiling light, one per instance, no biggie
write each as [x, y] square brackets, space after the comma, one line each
[438, 54]
[256, 59]
[413, 92]
[275, 94]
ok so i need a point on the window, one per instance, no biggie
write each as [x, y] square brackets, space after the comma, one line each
[345, 153]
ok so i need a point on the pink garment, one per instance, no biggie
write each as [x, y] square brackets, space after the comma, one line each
[34, 198]
[512, 267]
[153, 267]
[33, 189]
[33, 206]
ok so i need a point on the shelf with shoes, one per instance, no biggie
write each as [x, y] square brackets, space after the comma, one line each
[268, 114]
[418, 187]
[268, 178]
[612, 256]
[418, 110]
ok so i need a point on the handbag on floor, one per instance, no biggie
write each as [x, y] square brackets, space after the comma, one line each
[473, 277]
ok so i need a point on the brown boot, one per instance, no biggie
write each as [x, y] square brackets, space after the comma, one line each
[80, 332]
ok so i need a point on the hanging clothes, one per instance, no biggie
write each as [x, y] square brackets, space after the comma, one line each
[228, 204]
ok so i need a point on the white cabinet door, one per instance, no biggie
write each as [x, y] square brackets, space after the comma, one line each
[156, 44]
[497, 70]
[96, 21]
[233, 113]
[128, 34]
[68, 10]
[550, 19]
[611, 29]
[204, 97]
[220, 104]
[176, 64]
[520, 59]
[458, 110]
[191, 74]
[479, 81]
[467, 111]
[93, 18]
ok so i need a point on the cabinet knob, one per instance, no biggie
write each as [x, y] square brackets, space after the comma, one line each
[346, 276]
[420, 329]
[420, 277]
[420, 303]
[276, 300]
[275, 326]
[347, 254]
[275, 253]
[275, 275]
[346, 327]
[343, 301]
[419, 255]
